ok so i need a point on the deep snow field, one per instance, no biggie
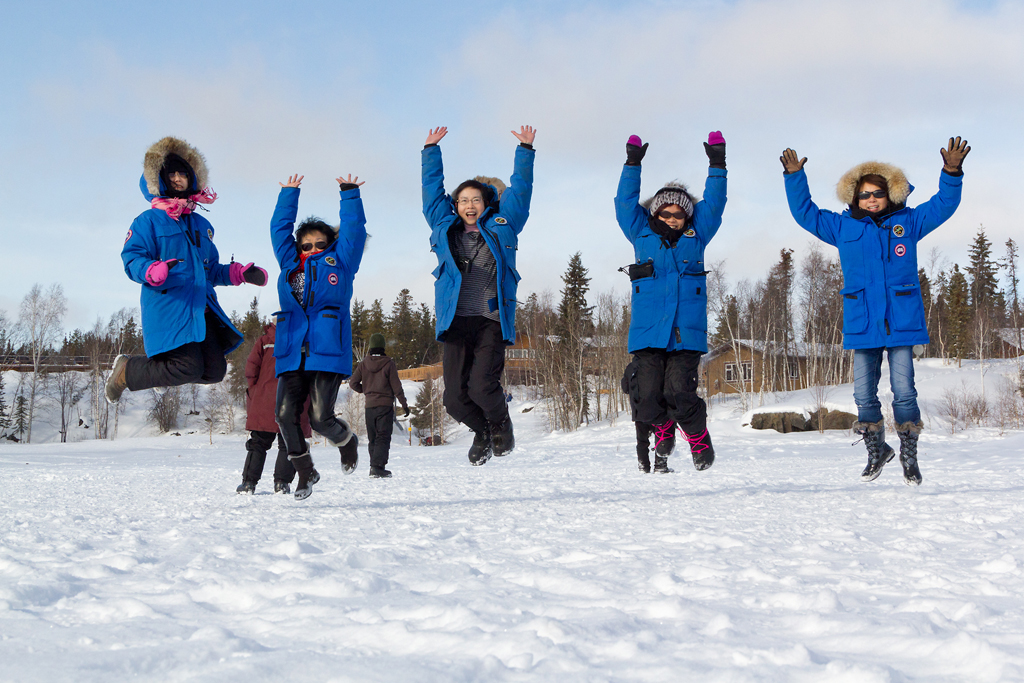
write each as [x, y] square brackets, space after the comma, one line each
[135, 560]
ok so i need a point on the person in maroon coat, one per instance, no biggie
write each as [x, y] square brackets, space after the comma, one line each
[377, 377]
[260, 420]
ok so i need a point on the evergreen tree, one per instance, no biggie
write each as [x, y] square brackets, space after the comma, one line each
[1014, 313]
[402, 331]
[982, 273]
[959, 313]
[573, 310]
[131, 337]
[575, 324]
[251, 326]
[19, 419]
[420, 409]
[5, 419]
[938, 317]
[728, 322]
[360, 320]
[428, 347]
[376, 321]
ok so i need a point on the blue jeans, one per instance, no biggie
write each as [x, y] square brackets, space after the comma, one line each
[867, 371]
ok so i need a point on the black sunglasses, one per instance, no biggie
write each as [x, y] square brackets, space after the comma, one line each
[678, 215]
[877, 194]
[319, 244]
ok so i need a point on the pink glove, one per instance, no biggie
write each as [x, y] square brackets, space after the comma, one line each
[715, 138]
[156, 274]
[248, 273]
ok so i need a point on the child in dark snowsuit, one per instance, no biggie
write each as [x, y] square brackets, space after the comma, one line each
[169, 250]
[377, 377]
[475, 233]
[313, 350]
[883, 309]
[668, 330]
[260, 420]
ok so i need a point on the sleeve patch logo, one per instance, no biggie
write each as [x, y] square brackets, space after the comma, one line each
[900, 250]
[690, 232]
[330, 261]
[128, 236]
[898, 231]
[499, 220]
[209, 233]
[333, 278]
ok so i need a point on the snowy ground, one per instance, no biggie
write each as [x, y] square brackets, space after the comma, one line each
[135, 560]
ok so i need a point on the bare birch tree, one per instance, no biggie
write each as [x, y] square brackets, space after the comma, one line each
[41, 319]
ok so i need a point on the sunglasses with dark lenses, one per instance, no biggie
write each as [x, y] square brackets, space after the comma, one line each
[877, 194]
[678, 215]
[308, 246]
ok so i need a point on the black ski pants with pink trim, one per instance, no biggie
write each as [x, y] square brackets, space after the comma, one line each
[663, 386]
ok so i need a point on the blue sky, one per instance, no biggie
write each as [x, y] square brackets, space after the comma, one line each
[265, 90]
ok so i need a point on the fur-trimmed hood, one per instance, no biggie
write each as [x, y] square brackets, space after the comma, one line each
[157, 154]
[676, 186]
[496, 183]
[899, 187]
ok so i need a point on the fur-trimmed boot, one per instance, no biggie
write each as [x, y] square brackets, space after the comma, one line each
[348, 446]
[909, 432]
[700, 448]
[307, 475]
[117, 382]
[480, 451]
[879, 452]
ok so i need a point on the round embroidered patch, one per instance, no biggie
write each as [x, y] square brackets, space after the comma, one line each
[499, 220]
[900, 250]
[898, 230]
[689, 232]
[128, 236]
[333, 278]
[209, 233]
[330, 261]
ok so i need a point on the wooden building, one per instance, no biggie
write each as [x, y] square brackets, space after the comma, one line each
[753, 365]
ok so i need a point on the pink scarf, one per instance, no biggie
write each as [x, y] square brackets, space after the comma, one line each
[175, 206]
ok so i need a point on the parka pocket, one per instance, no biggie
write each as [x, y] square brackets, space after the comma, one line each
[855, 310]
[907, 307]
[326, 335]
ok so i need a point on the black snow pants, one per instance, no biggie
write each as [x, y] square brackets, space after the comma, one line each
[256, 456]
[474, 358]
[193, 363]
[380, 424]
[664, 387]
[322, 389]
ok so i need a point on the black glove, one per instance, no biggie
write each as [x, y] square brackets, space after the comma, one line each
[344, 187]
[634, 152]
[255, 275]
[716, 154]
[406, 409]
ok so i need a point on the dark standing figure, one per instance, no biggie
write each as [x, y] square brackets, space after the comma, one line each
[883, 311]
[668, 331]
[260, 420]
[314, 340]
[475, 234]
[169, 250]
[377, 377]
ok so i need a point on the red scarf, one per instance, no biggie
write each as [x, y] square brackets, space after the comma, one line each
[175, 206]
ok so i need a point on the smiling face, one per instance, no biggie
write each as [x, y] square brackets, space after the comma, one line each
[470, 204]
[673, 216]
[872, 204]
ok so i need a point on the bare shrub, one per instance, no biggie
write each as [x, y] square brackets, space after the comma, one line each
[951, 407]
[819, 399]
[165, 409]
[354, 412]
[1009, 407]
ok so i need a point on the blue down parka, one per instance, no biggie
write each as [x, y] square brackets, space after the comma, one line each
[173, 314]
[321, 326]
[670, 306]
[882, 304]
[500, 230]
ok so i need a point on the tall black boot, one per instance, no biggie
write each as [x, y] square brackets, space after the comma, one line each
[348, 446]
[643, 446]
[701, 450]
[879, 452]
[480, 451]
[909, 432]
[307, 475]
[502, 438]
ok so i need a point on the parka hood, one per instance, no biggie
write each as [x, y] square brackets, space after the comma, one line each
[899, 187]
[157, 154]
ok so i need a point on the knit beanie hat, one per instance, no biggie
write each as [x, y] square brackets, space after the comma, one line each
[671, 194]
[377, 341]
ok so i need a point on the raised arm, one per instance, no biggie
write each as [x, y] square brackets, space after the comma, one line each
[937, 210]
[632, 217]
[515, 200]
[436, 204]
[822, 224]
[352, 229]
[282, 225]
[707, 215]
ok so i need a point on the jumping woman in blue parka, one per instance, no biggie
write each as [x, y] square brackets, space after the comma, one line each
[668, 331]
[313, 349]
[475, 234]
[883, 311]
[169, 250]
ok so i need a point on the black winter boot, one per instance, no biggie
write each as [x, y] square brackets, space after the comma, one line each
[307, 475]
[665, 437]
[879, 452]
[349, 449]
[480, 452]
[502, 438]
[643, 446]
[909, 432]
[701, 449]
[379, 473]
[282, 486]
[661, 464]
[246, 487]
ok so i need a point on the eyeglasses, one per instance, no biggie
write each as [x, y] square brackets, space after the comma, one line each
[465, 200]
[678, 215]
[877, 194]
[319, 244]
